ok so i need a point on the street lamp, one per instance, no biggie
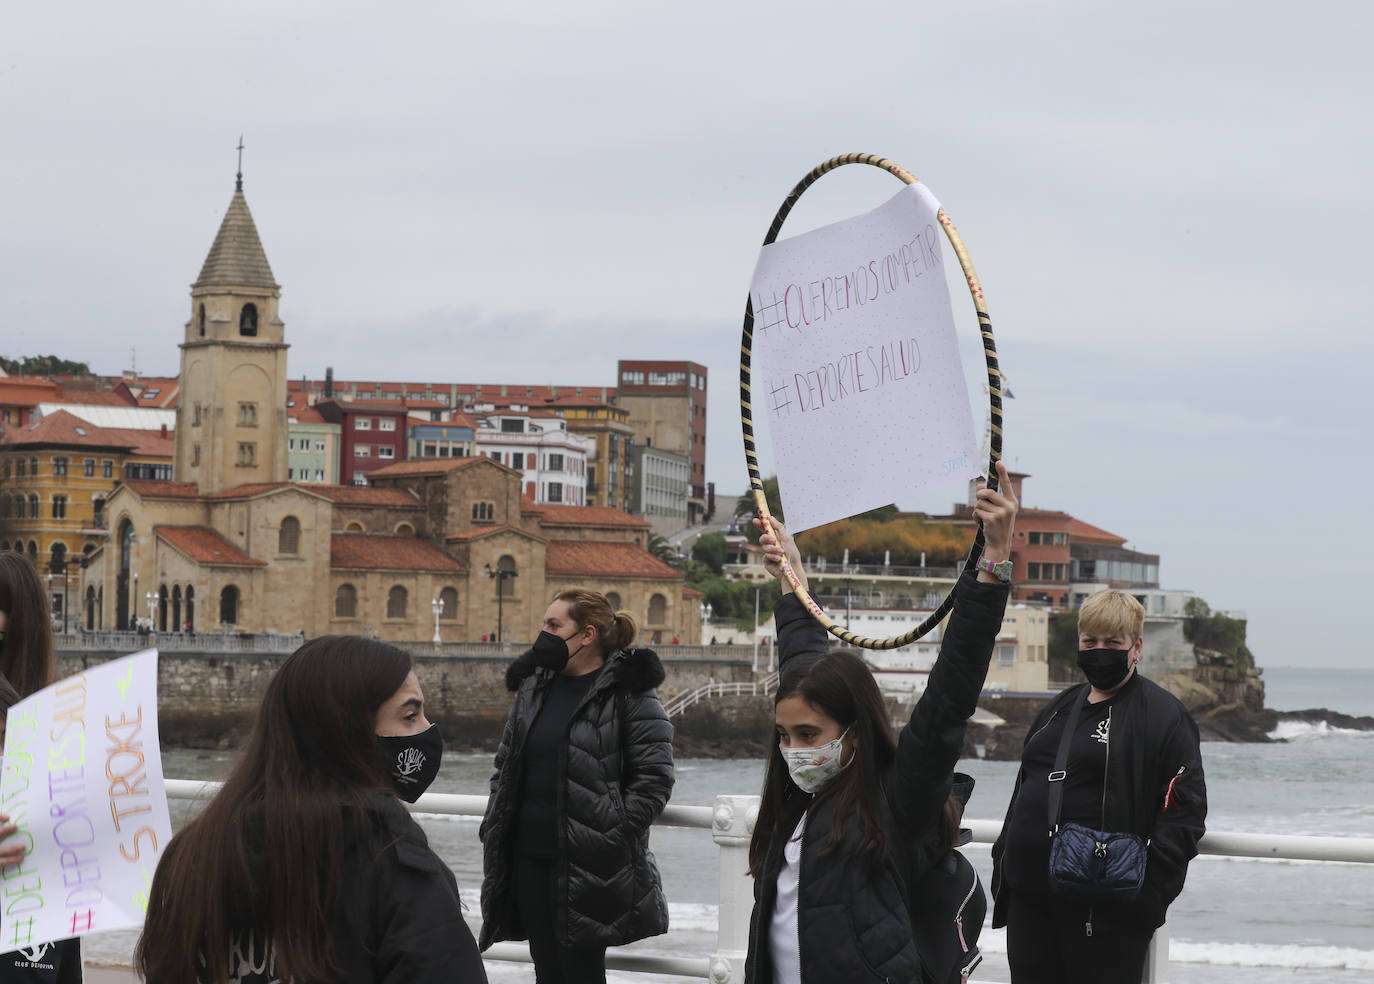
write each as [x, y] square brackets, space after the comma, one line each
[500, 575]
[437, 606]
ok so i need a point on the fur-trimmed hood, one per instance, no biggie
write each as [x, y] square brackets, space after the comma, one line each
[633, 670]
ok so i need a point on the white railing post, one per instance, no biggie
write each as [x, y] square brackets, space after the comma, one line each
[732, 826]
[1157, 958]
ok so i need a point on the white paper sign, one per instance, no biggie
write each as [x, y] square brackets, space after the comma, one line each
[83, 782]
[856, 365]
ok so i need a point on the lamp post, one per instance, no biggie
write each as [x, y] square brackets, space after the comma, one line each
[437, 606]
[500, 575]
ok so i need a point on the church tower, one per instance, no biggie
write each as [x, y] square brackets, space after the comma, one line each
[231, 424]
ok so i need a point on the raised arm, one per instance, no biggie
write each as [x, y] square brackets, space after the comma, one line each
[797, 631]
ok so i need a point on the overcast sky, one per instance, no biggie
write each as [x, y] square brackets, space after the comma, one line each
[1164, 201]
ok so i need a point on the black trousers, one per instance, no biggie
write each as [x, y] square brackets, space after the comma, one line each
[1048, 943]
[536, 889]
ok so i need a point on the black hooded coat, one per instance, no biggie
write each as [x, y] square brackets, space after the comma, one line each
[617, 774]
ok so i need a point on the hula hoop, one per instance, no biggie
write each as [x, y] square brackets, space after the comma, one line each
[994, 402]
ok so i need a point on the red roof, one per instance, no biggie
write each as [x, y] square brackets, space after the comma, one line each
[149, 488]
[94, 398]
[27, 391]
[1081, 531]
[205, 546]
[362, 495]
[70, 430]
[388, 552]
[247, 491]
[427, 466]
[478, 532]
[367, 406]
[306, 415]
[580, 558]
[692, 592]
[582, 516]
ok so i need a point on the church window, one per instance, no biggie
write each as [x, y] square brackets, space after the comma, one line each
[505, 586]
[658, 610]
[248, 455]
[59, 507]
[346, 602]
[613, 600]
[396, 600]
[405, 529]
[248, 321]
[449, 598]
[195, 415]
[248, 415]
[200, 318]
[195, 455]
[483, 512]
[229, 605]
[289, 536]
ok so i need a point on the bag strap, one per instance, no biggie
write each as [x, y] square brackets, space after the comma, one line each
[1060, 770]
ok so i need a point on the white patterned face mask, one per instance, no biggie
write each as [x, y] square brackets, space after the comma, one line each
[812, 768]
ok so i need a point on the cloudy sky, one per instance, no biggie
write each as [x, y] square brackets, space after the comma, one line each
[1164, 202]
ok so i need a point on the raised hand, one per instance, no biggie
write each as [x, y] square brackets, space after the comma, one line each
[778, 543]
[997, 512]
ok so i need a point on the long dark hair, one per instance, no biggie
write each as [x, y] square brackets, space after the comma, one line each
[840, 685]
[26, 655]
[268, 851]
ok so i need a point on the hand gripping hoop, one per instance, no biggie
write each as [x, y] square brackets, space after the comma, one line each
[994, 403]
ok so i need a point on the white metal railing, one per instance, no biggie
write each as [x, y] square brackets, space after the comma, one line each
[762, 686]
[731, 822]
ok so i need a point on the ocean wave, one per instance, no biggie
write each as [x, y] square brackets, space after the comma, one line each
[1293, 956]
[1312, 730]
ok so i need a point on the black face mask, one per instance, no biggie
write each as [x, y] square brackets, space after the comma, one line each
[1105, 668]
[412, 761]
[551, 651]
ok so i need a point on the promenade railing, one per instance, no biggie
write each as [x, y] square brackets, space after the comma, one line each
[731, 823]
[754, 688]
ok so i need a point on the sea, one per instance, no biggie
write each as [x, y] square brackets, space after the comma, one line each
[1258, 921]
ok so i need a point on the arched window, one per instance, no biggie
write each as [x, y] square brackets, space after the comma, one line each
[406, 529]
[201, 320]
[289, 536]
[396, 600]
[506, 585]
[124, 604]
[658, 610]
[449, 596]
[176, 608]
[346, 602]
[229, 605]
[353, 528]
[248, 321]
[33, 551]
[614, 600]
[59, 558]
[33, 507]
[190, 609]
[90, 609]
[162, 597]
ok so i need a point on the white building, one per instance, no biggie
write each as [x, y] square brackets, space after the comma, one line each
[1157, 602]
[552, 461]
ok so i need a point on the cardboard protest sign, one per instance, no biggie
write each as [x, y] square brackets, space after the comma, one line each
[856, 364]
[82, 780]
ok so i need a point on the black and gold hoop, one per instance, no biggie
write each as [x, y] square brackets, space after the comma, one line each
[994, 402]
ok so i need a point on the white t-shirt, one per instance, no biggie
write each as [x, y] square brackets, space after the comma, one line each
[782, 935]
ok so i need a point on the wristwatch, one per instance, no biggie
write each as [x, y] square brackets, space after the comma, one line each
[1000, 569]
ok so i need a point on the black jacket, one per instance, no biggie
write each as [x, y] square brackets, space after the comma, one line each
[855, 923]
[47, 963]
[1154, 741]
[617, 774]
[401, 921]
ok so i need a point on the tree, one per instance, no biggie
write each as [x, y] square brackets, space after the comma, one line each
[664, 551]
[44, 365]
[710, 550]
[1216, 631]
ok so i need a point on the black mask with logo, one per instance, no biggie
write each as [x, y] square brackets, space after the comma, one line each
[551, 651]
[1105, 668]
[412, 761]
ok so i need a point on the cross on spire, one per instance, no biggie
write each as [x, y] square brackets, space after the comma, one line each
[238, 183]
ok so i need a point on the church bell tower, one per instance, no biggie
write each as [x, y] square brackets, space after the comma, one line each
[231, 424]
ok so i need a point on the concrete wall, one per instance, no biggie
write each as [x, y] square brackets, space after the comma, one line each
[210, 700]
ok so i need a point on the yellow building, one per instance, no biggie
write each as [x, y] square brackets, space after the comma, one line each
[56, 475]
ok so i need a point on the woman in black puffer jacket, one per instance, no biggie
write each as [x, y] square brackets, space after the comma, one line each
[584, 766]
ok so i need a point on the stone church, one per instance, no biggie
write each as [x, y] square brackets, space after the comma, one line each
[230, 545]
